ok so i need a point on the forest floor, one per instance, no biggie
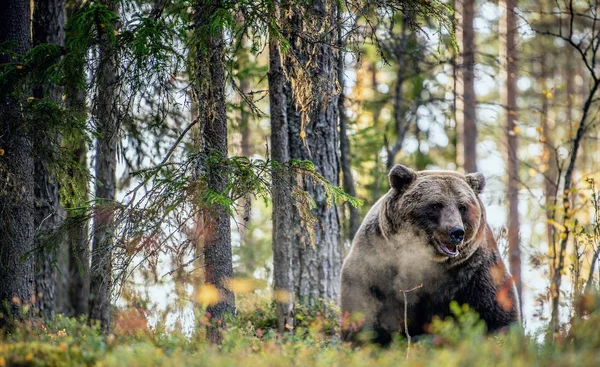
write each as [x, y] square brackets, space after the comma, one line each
[251, 341]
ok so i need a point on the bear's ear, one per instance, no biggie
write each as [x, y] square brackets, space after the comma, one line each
[400, 177]
[476, 181]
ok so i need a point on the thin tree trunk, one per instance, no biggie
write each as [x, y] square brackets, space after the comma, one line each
[509, 57]
[317, 268]
[105, 115]
[283, 208]
[550, 162]
[401, 124]
[246, 133]
[345, 155]
[16, 173]
[209, 89]
[48, 28]
[466, 103]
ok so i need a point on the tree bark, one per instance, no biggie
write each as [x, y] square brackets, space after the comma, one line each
[106, 117]
[466, 103]
[16, 174]
[508, 31]
[345, 155]
[283, 208]
[317, 268]
[209, 88]
[48, 28]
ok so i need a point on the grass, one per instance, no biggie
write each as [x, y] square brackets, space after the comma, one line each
[251, 341]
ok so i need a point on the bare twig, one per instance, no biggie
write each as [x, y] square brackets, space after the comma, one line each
[404, 291]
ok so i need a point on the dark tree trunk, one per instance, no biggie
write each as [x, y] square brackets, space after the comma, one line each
[16, 173]
[105, 115]
[509, 59]
[466, 103]
[345, 155]
[283, 209]
[48, 28]
[317, 268]
[209, 88]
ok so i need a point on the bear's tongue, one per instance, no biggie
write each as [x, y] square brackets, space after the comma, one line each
[449, 250]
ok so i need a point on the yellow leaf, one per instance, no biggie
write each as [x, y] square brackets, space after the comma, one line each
[29, 357]
[282, 296]
[539, 129]
[302, 134]
[549, 95]
[556, 225]
[2, 362]
[1, 152]
[241, 286]
[208, 295]
[30, 99]
[517, 130]
[116, 33]
[63, 347]
[542, 139]
[102, 25]
[19, 67]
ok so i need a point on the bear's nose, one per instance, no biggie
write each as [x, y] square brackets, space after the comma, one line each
[457, 234]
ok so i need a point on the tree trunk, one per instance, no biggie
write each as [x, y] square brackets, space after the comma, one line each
[209, 88]
[283, 208]
[73, 282]
[508, 31]
[16, 172]
[317, 267]
[105, 115]
[466, 103]
[48, 28]
[401, 124]
[345, 155]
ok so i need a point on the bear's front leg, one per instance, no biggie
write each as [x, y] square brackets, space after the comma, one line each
[491, 292]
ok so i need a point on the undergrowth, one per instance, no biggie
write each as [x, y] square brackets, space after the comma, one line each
[252, 341]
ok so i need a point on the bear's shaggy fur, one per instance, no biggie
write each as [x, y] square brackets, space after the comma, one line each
[429, 229]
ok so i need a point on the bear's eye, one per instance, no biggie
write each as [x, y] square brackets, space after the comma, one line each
[462, 208]
[436, 207]
[432, 211]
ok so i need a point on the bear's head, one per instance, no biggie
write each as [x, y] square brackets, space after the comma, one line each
[440, 209]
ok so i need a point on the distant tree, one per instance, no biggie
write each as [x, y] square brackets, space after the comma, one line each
[466, 103]
[345, 154]
[508, 31]
[105, 116]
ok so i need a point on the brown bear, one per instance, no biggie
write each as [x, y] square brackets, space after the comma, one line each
[429, 229]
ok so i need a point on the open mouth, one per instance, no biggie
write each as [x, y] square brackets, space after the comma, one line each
[448, 250]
